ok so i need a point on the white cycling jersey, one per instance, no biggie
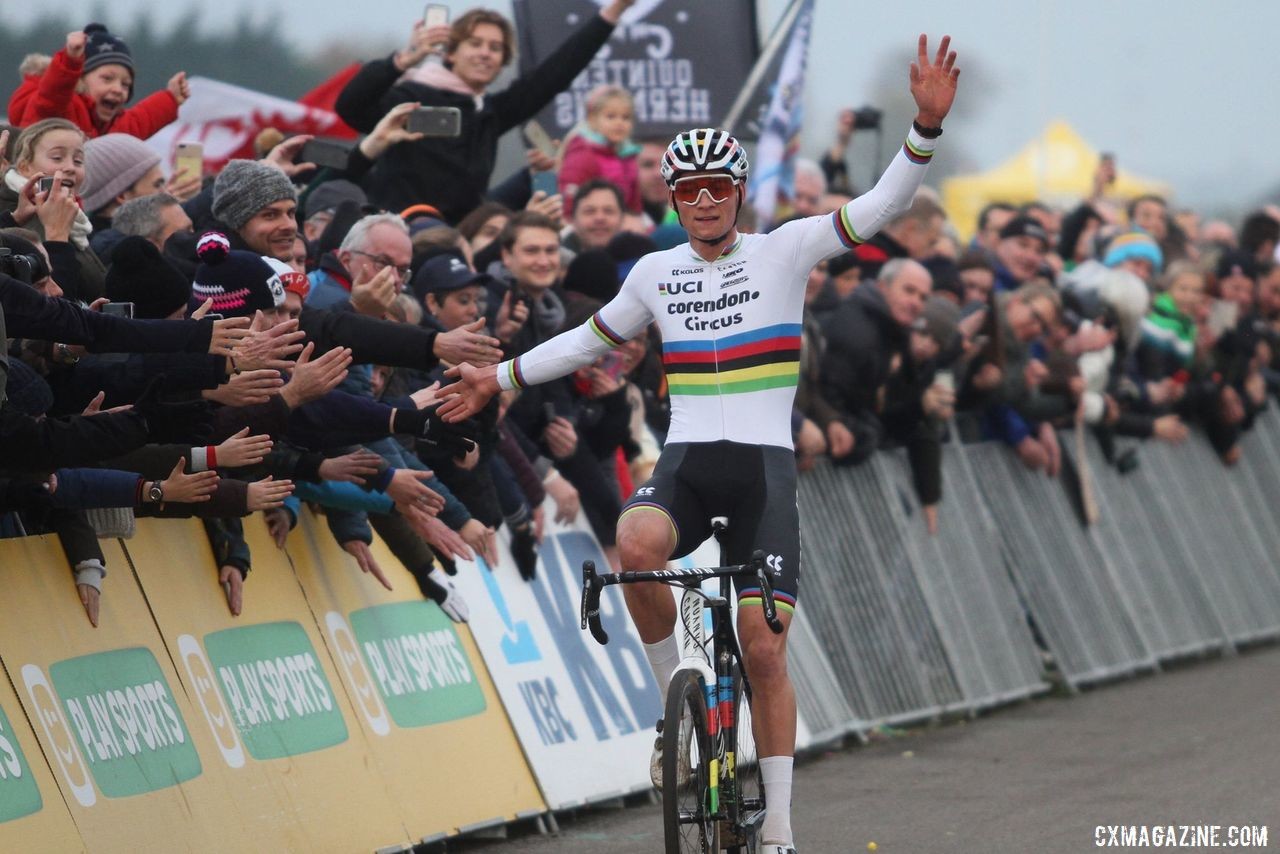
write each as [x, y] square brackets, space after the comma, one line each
[730, 327]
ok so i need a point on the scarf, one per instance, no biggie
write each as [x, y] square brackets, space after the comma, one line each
[438, 77]
[81, 228]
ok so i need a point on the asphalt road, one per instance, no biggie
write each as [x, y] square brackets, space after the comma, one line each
[1199, 744]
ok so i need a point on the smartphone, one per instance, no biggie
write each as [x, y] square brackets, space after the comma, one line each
[325, 153]
[436, 121]
[44, 185]
[435, 15]
[213, 315]
[189, 158]
[119, 309]
[547, 182]
[946, 379]
[549, 411]
[537, 136]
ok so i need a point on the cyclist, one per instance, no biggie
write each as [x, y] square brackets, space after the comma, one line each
[729, 309]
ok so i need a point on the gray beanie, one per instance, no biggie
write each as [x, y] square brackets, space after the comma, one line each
[245, 187]
[112, 164]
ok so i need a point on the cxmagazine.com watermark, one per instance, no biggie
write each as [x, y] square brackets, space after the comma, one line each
[1180, 836]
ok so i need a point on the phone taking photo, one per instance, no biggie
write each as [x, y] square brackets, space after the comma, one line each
[189, 158]
[437, 122]
[435, 15]
[536, 135]
[119, 309]
[325, 153]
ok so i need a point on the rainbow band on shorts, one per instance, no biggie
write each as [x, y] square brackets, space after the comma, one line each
[649, 505]
[752, 597]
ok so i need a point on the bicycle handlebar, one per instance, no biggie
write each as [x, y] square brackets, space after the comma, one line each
[593, 583]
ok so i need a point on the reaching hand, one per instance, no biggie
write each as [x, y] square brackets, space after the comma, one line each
[365, 560]
[182, 488]
[227, 332]
[282, 155]
[76, 44]
[467, 343]
[481, 539]
[552, 207]
[840, 440]
[90, 598]
[278, 525]
[232, 580]
[407, 489]
[268, 493]
[373, 295]
[267, 346]
[441, 536]
[566, 498]
[313, 380]
[242, 450]
[473, 389]
[426, 396]
[933, 84]
[246, 388]
[355, 467]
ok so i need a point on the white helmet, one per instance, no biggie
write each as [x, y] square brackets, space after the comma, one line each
[704, 150]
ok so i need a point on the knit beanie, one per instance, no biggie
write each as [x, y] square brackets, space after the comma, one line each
[239, 282]
[1134, 244]
[245, 187]
[103, 48]
[112, 164]
[330, 194]
[141, 274]
[593, 273]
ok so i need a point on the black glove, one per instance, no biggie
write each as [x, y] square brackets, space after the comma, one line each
[524, 548]
[188, 423]
[437, 434]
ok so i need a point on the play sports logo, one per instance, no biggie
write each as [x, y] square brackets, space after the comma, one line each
[48, 711]
[200, 677]
[366, 693]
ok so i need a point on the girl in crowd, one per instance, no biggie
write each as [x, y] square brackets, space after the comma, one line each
[601, 147]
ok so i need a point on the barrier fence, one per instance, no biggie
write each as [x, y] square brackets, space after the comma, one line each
[334, 715]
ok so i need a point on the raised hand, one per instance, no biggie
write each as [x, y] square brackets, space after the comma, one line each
[182, 488]
[933, 84]
[373, 295]
[267, 346]
[407, 489]
[282, 155]
[246, 388]
[354, 467]
[391, 130]
[365, 560]
[179, 88]
[76, 43]
[467, 343]
[268, 493]
[242, 450]
[313, 380]
[227, 332]
[232, 580]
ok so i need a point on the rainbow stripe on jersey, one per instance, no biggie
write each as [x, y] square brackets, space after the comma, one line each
[750, 361]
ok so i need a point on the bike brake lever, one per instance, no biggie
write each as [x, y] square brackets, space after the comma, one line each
[591, 587]
[766, 595]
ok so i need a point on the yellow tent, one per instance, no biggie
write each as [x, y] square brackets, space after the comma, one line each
[1056, 168]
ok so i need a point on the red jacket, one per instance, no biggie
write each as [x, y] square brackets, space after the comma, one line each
[53, 95]
[585, 159]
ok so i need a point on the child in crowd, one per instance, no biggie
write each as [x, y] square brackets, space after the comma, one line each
[89, 82]
[601, 147]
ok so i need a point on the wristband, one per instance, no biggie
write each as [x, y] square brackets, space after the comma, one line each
[927, 133]
[200, 459]
[137, 492]
[211, 452]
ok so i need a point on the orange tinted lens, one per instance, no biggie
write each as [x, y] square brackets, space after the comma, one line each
[687, 190]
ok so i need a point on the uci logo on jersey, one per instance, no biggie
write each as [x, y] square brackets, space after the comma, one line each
[674, 288]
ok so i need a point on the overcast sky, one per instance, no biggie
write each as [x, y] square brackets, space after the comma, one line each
[1181, 92]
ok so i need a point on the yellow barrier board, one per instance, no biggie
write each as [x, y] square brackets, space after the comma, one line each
[108, 709]
[425, 699]
[33, 816]
[265, 692]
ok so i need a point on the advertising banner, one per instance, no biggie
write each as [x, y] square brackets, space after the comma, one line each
[422, 693]
[585, 714]
[683, 61]
[109, 710]
[32, 813]
[266, 689]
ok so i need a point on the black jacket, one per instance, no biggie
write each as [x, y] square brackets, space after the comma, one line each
[453, 173]
[862, 340]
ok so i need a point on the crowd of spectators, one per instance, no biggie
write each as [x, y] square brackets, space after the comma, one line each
[227, 344]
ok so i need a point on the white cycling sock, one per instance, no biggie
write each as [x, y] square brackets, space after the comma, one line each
[663, 657]
[776, 772]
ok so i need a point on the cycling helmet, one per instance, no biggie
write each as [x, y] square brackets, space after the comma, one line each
[704, 150]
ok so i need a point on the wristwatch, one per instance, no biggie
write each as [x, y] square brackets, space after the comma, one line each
[156, 492]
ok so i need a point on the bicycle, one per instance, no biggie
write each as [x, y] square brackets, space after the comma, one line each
[707, 806]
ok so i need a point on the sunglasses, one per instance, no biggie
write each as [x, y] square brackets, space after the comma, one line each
[688, 191]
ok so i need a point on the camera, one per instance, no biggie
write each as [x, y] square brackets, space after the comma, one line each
[24, 268]
[867, 118]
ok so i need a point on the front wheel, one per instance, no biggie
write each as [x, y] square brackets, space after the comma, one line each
[686, 769]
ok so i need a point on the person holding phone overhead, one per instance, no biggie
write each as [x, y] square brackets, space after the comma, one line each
[452, 173]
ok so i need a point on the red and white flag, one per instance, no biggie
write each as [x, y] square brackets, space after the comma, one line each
[226, 119]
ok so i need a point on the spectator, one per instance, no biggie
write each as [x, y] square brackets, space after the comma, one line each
[1259, 236]
[1151, 214]
[117, 167]
[157, 218]
[596, 216]
[601, 147]
[369, 268]
[88, 82]
[808, 188]
[453, 173]
[977, 278]
[1078, 233]
[911, 234]
[531, 262]
[991, 221]
[482, 226]
[1019, 253]
[323, 201]
[255, 205]
[867, 337]
[654, 195]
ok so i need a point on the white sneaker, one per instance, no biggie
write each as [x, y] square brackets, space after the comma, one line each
[771, 848]
[683, 773]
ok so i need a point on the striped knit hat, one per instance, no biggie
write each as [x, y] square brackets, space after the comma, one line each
[1134, 244]
[102, 48]
[239, 282]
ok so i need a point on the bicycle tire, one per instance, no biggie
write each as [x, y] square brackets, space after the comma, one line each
[688, 826]
[750, 782]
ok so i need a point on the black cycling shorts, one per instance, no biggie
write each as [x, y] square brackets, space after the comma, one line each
[753, 485]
